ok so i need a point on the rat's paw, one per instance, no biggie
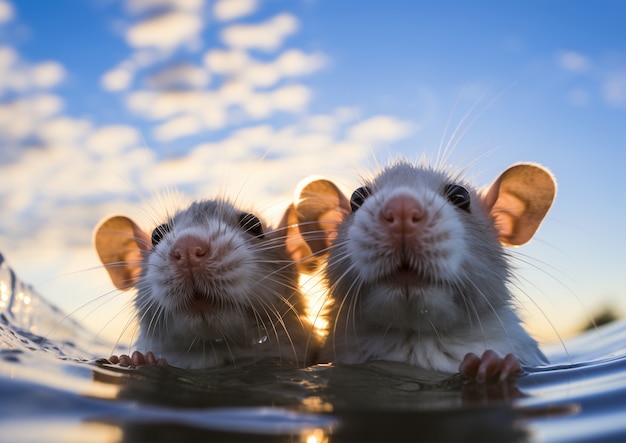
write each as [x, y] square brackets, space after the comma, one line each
[490, 367]
[137, 359]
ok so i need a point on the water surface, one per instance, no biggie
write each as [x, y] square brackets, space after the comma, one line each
[55, 388]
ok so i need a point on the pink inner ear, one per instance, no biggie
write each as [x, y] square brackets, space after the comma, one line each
[121, 246]
[142, 240]
[295, 246]
[505, 226]
[506, 211]
[329, 222]
[510, 203]
[124, 267]
[518, 201]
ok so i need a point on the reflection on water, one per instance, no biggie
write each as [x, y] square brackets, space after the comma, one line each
[54, 389]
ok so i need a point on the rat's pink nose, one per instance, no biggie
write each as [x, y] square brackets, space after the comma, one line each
[189, 251]
[402, 215]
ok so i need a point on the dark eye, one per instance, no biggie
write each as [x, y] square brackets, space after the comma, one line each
[358, 197]
[159, 232]
[458, 196]
[251, 224]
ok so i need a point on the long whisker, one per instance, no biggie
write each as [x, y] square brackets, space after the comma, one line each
[536, 304]
[127, 325]
[480, 292]
[454, 137]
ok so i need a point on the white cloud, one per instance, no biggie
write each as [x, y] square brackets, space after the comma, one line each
[144, 58]
[210, 108]
[47, 75]
[140, 6]
[612, 81]
[329, 123]
[294, 152]
[236, 99]
[177, 172]
[325, 124]
[180, 76]
[177, 127]
[261, 75]
[42, 105]
[235, 92]
[346, 114]
[573, 61]
[190, 113]
[113, 139]
[292, 63]
[6, 12]
[226, 62]
[63, 129]
[614, 89]
[121, 77]
[116, 173]
[267, 36]
[237, 63]
[213, 116]
[158, 105]
[293, 98]
[20, 118]
[166, 31]
[8, 57]
[117, 79]
[166, 26]
[19, 76]
[258, 106]
[52, 167]
[380, 128]
[224, 10]
[66, 171]
[255, 136]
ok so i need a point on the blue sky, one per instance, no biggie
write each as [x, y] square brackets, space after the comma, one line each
[103, 103]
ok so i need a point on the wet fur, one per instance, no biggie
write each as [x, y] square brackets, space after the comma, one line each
[463, 303]
[250, 283]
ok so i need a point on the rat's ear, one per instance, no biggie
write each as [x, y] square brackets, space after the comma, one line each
[311, 221]
[297, 248]
[518, 201]
[120, 244]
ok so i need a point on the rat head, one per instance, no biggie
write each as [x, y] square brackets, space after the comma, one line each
[210, 268]
[423, 243]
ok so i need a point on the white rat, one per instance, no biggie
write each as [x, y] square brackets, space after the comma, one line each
[214, 287]
[417, 272]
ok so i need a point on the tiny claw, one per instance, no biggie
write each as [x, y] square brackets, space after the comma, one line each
[150, 358]
[138, 358]
[125, 361]
[489, 366]
[469, 365]
[511, 367]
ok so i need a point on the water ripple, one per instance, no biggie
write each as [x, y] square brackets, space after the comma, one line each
[53, 388]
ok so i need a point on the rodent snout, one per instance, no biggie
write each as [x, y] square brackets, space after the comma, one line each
[189, 251]
[402, 215]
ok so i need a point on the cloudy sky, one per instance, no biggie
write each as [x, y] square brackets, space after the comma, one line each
[105, 103]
